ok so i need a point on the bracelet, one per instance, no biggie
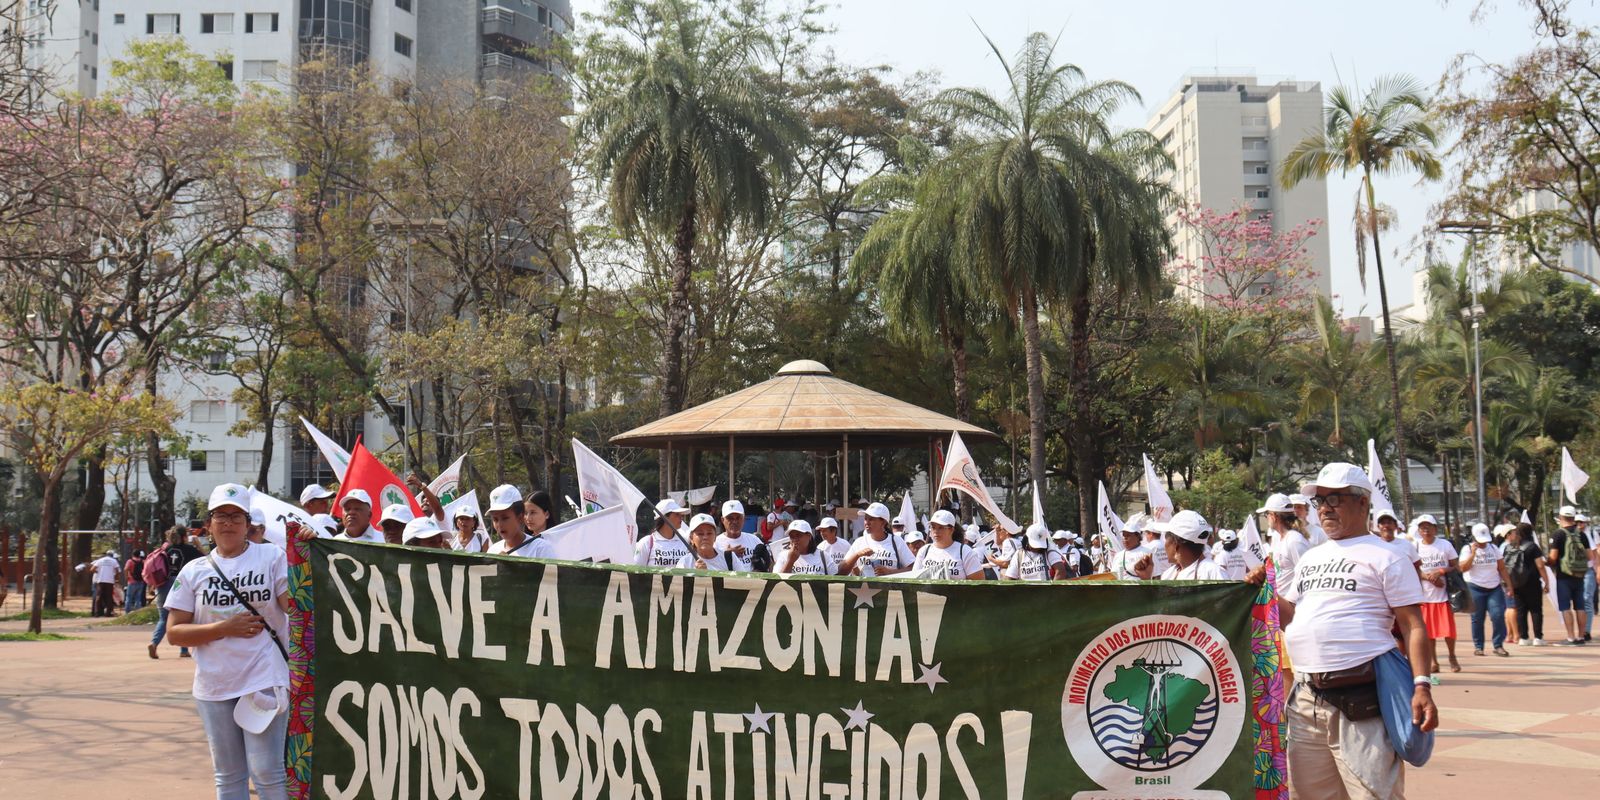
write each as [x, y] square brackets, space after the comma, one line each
[1421, 680]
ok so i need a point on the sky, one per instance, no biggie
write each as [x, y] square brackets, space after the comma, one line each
[1151, 44]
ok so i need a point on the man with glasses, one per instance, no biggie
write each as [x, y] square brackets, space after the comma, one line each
[1338, 610]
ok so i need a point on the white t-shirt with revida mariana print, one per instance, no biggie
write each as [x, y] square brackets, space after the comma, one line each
[889, 554]
[236, 666]
[953, 563]
[1344, 593]
[1436, 555]
[655, 550]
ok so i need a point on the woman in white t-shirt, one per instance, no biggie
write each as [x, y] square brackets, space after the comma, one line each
[1131, 561]
[704, 553]
[946, 558]
[664, 546]
[1185, 537]
[878, 552]
[1438, 559]
[1485, 570]
[998, 554]
[241, 675]
[1036, 560]
[468, 538]
[830, 543]
[802, 557]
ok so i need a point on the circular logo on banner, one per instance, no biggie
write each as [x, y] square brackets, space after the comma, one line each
[392, 495]
[1154, 701]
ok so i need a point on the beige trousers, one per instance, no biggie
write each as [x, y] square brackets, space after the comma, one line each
[1332, 758]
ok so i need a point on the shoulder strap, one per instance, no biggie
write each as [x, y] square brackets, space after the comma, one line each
[227, 583]
[727, 555]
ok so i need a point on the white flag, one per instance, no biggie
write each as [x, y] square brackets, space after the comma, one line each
[961, 474]
[1572, 478]
[1110, 523]
[447, 485]
[694, 497]
[468, 502]
[337, 457]
[600, 486]
[1380, 484]
[1525, 517]
[603, 535]
[1250, 542]
[278, 514]
[1038, 506]
[908, 514]
[1161, 507]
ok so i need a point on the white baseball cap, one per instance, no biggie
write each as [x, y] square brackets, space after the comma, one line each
[1424, 519]
[1038, 536]
[255, 711]
[1504, 528]
[1567, 511]
[1136, 523]
[669, 506]
[827, 522]
[315, 491]
[465, 510]
[878, 510]
[914, 536]
[324, 524]
[1186, 525]
[1480, 533]
[972, 534]
[732, 507]
[942, 517]
[1298, 499]
[800, 525]
[702, 519]
[1277, 503]
[504, 497]
[1227, 535]
[229, 494]
[356, 495]
[1581, 517]
[1063, 535]
[897, 523]
[1380, 513]
[421, 528]
[257, 517]
[399, 512]
[1339, 475]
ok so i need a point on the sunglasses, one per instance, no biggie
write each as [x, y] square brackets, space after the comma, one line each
[1334, 500]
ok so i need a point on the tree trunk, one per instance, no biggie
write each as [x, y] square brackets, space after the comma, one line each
[93, 502]
[673, 387]
[563, 393]
[958, 359]
[268, 443]
[1036, 410]
[44, 554]
[1395, 406]
[1084, 454]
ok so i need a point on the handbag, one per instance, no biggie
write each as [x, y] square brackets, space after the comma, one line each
[1354, 691]
[1460, 598]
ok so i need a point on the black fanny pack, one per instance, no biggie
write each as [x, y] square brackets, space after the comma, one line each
[1353, 691]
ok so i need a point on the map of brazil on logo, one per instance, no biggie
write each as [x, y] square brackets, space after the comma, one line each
[1156, 702]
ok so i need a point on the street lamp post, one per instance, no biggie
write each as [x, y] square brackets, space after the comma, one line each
[1475, 313]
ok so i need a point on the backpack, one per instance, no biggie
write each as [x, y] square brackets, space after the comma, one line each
[1521, 567]
[1575, 556]
[155, 569]
[761, 559]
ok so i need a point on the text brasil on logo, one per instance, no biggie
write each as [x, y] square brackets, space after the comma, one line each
[1157, 700]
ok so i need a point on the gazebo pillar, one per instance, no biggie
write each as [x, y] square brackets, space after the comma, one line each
[844, 473]
[730, 467]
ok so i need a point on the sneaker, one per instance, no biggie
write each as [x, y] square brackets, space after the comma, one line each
[1522, 643]
[152, 651]
[1538, 643]
[1501, 651]
[1477, 652]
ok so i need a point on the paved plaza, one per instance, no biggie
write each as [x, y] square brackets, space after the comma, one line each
[88, 718]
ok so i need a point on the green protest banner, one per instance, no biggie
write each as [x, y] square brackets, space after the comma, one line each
[439, 675]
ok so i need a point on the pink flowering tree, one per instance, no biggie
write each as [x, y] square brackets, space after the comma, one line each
[1247, 264]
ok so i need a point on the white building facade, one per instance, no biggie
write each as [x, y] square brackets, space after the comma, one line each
[1227, 135]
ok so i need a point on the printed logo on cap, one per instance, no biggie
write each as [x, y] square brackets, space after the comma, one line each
[1155, 702]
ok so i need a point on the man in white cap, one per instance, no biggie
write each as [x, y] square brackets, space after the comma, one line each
[258, 526]
[356, 507]
[879, 552]
[1064, 544]
[1302, 509]
[105, 581]
[945, 557]
[1155, 547]
[1187, 541]
[746, 548]
[506, 515]
[915, 542]
[1590, 586]
[1568, 557]
[424, 532]
[1288, 543]
[393, 522]
[1387, 527]
[664, 546]
[1339, 610]
[1228, 557]
[316, 499]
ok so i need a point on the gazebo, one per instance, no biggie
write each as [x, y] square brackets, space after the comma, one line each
[802, 407]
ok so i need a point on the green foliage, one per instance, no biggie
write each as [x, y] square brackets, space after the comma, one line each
[1221, 491]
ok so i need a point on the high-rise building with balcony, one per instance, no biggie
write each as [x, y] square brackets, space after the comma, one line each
[1227, 135]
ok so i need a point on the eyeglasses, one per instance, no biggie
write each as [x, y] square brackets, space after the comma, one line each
[1332, 500]
[232, 517]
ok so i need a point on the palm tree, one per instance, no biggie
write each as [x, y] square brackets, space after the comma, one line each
[1329, 366]
[691, 141]
[1210, 376]
[1049, 203]
[1386, 132]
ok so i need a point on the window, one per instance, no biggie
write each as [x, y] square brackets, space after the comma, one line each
[162, 23]
[260, 70]
[94, 73]
[208, 411]
[227, 72]
[202, 460]
[247, 461]
[118, 19]
[403, 5]
[1262, 194]
[216, 23]
[1261, 169]
[260, 23]
[402, 45]
[94, 38]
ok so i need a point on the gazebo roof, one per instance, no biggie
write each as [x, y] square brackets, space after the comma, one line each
[803, 407]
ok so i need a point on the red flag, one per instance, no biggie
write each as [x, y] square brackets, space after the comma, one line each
[368, 473]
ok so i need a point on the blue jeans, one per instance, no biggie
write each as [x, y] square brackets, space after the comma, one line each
[239, 758]
[1493, 603]
[132, 597]
[1588, 600]
[161, 621]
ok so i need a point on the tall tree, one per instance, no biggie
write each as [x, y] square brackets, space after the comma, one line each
[1049, 204]
[1384, 132]
[1329, 366]
[688, 136]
